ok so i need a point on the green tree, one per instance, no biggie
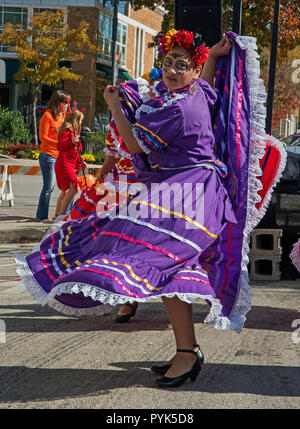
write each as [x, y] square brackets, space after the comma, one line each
[12, 127]
[42, 46]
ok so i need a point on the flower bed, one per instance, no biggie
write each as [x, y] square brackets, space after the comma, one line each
[31, 151]
[15, 150]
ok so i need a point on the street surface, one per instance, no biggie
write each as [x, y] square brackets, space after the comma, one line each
[50, 361]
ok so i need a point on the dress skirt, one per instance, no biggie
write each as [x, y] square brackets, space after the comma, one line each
[144, 249]
[179, 232]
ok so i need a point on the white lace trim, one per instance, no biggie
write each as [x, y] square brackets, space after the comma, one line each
[295, 255]
[272, 141]
[153, 88]
[257, 150]
[109, 152]
[122, 152]
[43, 298]
[149, 109]
[107, 299]
[143, 89]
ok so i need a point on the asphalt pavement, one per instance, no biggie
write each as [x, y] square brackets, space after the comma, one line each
[52, 361]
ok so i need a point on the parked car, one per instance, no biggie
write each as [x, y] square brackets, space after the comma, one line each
[293, 140]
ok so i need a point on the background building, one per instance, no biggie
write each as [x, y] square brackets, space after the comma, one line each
[135, 31]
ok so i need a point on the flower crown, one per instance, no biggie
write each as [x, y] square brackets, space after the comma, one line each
[186, 39]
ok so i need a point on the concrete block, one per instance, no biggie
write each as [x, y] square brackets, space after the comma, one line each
[266, 242]
[264, 267]
[294, 219]
[289, 202]
[281, 218]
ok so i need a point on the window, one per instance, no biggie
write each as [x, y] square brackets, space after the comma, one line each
[139, 52]
[14, 15]
[122, 6]
[105, 39]
[40, 10]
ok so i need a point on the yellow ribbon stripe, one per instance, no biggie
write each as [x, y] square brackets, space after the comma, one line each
[133, 274]
[127, 102]
[195, 269]
[61, 255]
[68, 236]
[188, 219]
[154, 135]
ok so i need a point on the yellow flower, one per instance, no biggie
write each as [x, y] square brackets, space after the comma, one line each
[168, 43]
[87, 157]
[146, 76]
[35, 154]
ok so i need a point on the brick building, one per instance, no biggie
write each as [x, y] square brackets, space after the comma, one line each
[135, 31]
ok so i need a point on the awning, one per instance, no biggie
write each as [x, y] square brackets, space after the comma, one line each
[122, 74]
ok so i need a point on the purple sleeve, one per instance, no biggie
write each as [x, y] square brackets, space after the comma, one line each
[156, 130]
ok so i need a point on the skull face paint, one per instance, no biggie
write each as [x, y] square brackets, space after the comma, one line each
[179, 62]
[178, 68]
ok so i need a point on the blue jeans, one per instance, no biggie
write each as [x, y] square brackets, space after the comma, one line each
[47, 163]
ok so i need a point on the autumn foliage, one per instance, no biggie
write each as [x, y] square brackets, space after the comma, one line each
[257, 19]
[43, 45]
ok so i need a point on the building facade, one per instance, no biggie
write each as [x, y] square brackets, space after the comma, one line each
[135, 30]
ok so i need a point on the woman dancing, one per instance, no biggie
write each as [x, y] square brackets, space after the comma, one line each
[183, 235]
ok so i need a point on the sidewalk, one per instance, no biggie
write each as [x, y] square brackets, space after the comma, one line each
[18, 224]
[16, 229]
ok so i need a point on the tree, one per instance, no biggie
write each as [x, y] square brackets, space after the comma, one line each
[286, 93]
[257, 18]
[287, 86]
[42, 46]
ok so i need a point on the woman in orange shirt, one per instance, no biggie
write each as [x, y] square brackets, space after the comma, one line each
[50, 122]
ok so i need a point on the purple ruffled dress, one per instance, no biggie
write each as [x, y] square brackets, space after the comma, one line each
[160, 242]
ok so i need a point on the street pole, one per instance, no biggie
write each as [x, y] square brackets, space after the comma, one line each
[114, 43]
[237, 16]
[272, 69]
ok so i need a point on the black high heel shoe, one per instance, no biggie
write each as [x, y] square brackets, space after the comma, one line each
[123, 318]
[162, 369]
[192, 374]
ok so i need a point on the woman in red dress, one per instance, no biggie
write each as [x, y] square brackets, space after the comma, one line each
[68, 162]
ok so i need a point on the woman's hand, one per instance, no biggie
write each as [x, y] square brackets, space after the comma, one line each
[75, 139]
[222, 48]
[111, 95]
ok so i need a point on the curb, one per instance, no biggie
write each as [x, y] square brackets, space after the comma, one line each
[22, 235]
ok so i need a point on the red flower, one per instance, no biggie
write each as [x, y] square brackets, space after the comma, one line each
[200, 54]
[184, 38]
